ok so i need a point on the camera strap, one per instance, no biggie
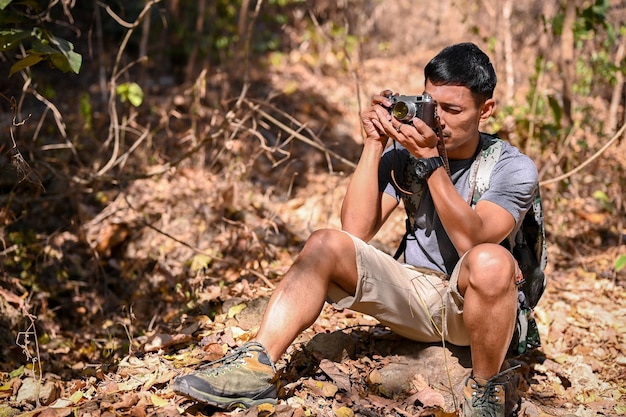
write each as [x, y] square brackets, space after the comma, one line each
[441, 149]
[441, 146]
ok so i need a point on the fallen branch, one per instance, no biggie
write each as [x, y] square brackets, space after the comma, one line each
[588, 161]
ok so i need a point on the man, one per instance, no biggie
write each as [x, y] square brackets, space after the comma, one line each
[458, 283]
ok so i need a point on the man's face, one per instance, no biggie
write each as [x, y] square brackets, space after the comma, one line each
[460, 116]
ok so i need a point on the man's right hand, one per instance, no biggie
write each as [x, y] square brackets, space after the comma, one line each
[376, 119]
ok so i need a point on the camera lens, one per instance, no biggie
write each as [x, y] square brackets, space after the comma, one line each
[404, 111]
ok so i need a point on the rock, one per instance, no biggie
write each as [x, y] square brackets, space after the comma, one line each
[48, 391]
[437, 365]
[335, 346]
[250, 317]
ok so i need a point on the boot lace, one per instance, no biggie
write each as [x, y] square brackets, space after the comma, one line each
[486, 397]
[236, 358]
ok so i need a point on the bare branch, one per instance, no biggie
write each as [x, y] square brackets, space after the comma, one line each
[588, 161]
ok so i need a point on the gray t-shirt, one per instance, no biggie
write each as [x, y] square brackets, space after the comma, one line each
[512, 185]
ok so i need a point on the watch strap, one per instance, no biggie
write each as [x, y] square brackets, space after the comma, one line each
[434, 163]
[431, 164]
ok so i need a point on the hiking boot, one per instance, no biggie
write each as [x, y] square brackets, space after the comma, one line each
[496, 397]
[242, 379]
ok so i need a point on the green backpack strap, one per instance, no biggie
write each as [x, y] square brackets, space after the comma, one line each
[479, 183]
[531, 255]
[482, 166]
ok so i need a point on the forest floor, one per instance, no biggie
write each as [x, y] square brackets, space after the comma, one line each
[344, 365]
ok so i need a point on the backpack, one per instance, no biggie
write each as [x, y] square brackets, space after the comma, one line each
[530, 240]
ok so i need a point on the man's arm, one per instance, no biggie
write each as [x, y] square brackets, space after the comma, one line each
[467, 227]
[365, 208]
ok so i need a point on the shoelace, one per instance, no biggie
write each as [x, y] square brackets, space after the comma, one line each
[486, 396]
[236, 358]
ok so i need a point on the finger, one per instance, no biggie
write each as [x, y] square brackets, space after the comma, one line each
[381, 100]
[379, 127]
[423, 129]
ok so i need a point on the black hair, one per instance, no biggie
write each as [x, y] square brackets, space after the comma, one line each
[463, 64]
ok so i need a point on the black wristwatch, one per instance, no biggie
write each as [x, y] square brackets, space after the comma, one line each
[425, 166]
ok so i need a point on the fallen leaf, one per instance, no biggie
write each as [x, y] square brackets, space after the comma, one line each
[430, 398]
[374, 377]
[419, 382]
[334, 373]
[322, 388]
[158, 401]
[108, 387]
[56, 412]
[236, 309]
[344, 412]
[128, 400]
[163, 341]
[266, 409]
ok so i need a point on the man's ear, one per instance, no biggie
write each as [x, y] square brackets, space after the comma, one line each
[487, 109]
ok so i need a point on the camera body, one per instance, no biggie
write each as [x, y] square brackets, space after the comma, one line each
[405, 108]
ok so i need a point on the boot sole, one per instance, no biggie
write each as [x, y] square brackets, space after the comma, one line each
[226, 403]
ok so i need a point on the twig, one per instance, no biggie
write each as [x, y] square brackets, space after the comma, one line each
[18, 161]
[175, 239]
[58, 118]
[23, 340]
[619, 86]
[588, 161]
[533, 106]
[261, 277]
[114, 132]
[300, 137]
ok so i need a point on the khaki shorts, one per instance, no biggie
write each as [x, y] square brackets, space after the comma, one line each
[419, 304]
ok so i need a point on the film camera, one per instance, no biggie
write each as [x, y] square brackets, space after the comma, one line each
[405, 108]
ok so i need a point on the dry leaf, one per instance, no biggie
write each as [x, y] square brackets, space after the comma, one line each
[110, 236]
[374, 377]
[344, 412]
[266, 409]
[56, 412]
[323, 388]
[334, 373]
[430, 398]
[163, 341]
[236, 309]
[419, 382]
[158, 401]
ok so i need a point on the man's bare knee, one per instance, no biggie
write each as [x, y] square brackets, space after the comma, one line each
[328, 243]
[331, 253]
[490, 268]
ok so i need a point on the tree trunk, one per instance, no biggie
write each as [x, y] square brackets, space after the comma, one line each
[568, 64]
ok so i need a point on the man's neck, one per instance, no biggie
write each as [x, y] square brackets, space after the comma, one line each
[467, 150]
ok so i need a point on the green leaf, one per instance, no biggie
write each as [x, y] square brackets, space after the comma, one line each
[24, 63]
[43, 48]
[4, 4]
[11, 39]
[60, 62]
[65, 63]
[601, 196]
[73, 60]
[130, 92]
[620, 263]
[17, 372]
